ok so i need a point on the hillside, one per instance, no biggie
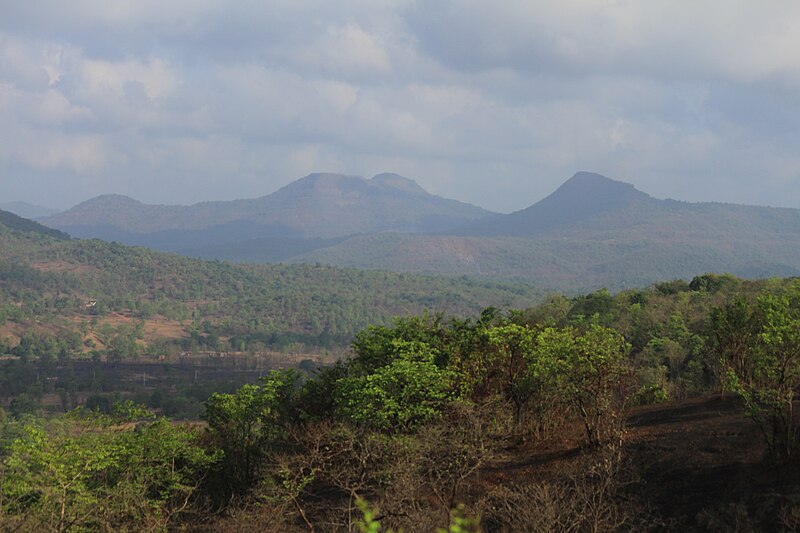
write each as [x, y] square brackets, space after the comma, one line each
[596, 413]
[26, 210]
[591, 206]
[47, 284]
[602, 412]
[316, 206]
[577, 204]
[17, 223]
[593, 232]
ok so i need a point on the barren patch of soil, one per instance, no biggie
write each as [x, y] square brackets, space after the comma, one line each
[696, 465]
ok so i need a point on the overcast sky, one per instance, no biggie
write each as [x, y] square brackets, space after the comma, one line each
[494, 103]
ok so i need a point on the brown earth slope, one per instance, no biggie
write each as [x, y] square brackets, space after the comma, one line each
[694, 465]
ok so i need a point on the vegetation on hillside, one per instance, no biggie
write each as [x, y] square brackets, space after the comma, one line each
[14, 222]
[65, 301]
[61, 291]
[407, 432]
[592, 232]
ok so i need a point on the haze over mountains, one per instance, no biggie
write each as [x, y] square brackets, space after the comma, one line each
[15, 222]
[591, 232]
[26, 210]
[318, 205]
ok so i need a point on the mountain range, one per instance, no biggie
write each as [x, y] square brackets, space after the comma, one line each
[319, 205]
[591, 232]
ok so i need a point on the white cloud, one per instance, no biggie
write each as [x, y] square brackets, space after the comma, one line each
[494, 103]
[344, 50]
[155, 77]
[744, 41]
[43, 150]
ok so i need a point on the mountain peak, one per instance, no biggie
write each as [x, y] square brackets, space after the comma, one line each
[396, 181]
[106, 208]
[579, 199]
[328, 176]
[324, 183]
[111, 200]
[596, 187]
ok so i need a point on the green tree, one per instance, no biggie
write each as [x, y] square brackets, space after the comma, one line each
[597, 372]
[514, 345]
[47, 480]
[733, 331]
[399, 396]
[83, 473]
[591, 370]
[157, 469]
[246, 424]
[768, 378]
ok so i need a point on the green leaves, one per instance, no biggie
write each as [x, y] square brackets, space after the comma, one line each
[587, 370]
[400, 395]
[84, 474]
[246, 424]
[760, 354]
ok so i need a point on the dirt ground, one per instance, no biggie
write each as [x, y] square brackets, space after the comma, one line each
[156, 327]
[694, 465]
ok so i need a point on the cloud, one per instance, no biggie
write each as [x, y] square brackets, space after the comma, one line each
[154, 77]
[344, 50]
[493, 103]
[739, 40]
[43, 150]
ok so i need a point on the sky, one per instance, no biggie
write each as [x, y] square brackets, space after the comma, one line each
[493, 103]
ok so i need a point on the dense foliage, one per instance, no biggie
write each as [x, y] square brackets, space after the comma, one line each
[90, 472]
[70, 286]
[396, 435]
[420, 407]
[14, 222]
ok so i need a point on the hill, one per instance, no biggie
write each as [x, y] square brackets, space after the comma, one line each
[579, 202]
[26, 210]
[593, 232]
[316, 206]
[89, 295]
[17, 223]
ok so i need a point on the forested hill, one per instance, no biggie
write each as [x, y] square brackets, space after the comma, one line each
[107, 292]
[14, 222]
[593, 232]
[593, 207]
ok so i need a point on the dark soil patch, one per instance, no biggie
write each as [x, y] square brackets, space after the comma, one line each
[694, 465]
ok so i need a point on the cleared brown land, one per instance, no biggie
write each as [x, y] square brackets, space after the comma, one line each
[694, 465]
[62, 266]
